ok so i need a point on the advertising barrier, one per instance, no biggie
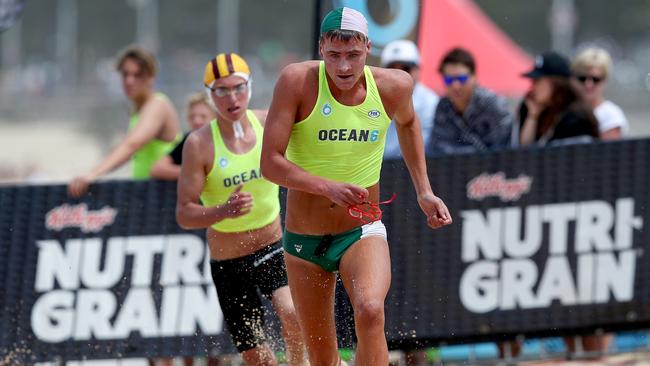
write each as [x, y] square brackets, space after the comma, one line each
[544, 242]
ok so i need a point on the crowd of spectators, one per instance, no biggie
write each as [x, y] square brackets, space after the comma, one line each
[565, 103]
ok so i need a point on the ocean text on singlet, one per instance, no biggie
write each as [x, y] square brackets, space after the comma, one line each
[242, 177]
[345, 134]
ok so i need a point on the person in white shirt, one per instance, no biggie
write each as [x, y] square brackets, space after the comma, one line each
[590, 69]
[403, 54]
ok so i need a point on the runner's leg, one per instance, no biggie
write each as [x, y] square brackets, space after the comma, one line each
[365, 271]
[242, 310]
[283, 305]
[312, 291]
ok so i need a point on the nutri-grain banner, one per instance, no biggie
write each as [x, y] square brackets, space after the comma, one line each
[111, 275]
[544, 242]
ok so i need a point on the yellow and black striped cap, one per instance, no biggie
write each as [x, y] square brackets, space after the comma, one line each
[225, 64]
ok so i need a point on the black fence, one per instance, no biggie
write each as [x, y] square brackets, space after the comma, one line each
[544, 242]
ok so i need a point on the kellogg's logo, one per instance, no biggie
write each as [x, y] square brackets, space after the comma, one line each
[496, 185]
[66, 216]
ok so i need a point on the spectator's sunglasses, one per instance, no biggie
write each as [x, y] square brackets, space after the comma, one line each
[404, 66]
[449, 79]
[595, 79]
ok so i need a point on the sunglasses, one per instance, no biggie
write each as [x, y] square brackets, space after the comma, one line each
[594, 79]
[449, 79]
[222, 92]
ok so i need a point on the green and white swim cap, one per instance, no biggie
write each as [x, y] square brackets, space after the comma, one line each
[345, 19]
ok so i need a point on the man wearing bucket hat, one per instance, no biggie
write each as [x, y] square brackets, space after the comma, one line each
[240, 209]
[324, 141]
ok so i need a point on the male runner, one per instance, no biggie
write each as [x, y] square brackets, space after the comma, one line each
[324, 141]
[241, 210]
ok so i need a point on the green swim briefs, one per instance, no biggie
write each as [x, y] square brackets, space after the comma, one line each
[327, 250]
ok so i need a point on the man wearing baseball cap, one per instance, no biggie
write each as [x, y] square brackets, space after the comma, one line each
[404, 55]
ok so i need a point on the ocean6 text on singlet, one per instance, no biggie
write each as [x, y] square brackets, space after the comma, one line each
[344, 134]
[242, 177]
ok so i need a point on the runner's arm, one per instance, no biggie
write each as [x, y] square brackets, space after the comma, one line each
[410, 141]
[190, 214]
[274, 164]
[409, 134]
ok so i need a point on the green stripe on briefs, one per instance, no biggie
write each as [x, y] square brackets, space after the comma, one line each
[346, 354]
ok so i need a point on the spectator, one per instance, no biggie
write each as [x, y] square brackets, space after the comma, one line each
[590, 70]
[404, 55]
[199, 113]
[554, 109]
[153, 129]
[468, 117]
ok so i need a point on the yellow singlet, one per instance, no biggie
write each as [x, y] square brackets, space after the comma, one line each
[339, 142]
[229, 171]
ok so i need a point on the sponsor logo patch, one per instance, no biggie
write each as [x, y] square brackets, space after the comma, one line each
[326, 110]
[497, 185]
[374, 113]
[223, 162]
